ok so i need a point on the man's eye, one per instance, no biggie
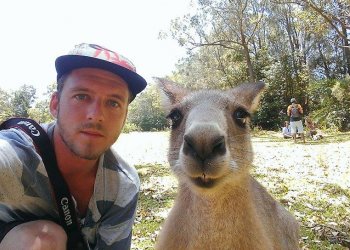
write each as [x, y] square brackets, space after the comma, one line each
[113, 104]
[81, 97]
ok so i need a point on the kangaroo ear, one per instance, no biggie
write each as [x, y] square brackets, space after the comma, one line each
[171, 90]
[248, 94]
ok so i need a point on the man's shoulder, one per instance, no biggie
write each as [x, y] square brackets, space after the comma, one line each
[16, 149]
[19, 134]
[15, 137]
[18, 140]
[20, 165]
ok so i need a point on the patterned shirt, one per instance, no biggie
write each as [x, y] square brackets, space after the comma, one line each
[26, 194]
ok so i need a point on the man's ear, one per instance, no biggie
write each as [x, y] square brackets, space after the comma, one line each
[54, 104]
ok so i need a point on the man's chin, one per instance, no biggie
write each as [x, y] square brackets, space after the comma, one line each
[89, 157]
[88, 154]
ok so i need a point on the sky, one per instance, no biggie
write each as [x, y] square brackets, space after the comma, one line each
[34, 33]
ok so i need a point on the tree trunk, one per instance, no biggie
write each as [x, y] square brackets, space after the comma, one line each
[324, 62]
[247, 56]
[249, 63]
[346, 51]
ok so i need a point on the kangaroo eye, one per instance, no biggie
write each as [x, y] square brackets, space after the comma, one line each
[175, 116]
[241, 116]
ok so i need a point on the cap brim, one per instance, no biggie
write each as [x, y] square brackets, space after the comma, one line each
[67, 63]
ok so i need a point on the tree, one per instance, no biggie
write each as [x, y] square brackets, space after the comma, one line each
[330, 103]
[41, 112]
[145, 112]
[211, 67]
[5, 106]
[227, 24]
[22, 100]
[270, 39]
[336, 14]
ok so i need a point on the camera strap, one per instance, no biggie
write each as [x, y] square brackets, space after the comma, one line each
[64, 201]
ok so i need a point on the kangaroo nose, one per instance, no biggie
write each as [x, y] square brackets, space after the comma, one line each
[204, 146]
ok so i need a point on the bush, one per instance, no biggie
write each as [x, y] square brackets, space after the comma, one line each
[330, 103]
[130, 127]
[145, 112]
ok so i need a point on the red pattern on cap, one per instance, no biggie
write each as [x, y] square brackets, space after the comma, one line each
[112, 57]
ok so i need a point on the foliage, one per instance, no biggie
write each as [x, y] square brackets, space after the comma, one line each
[230, 42]
[203, 70]
[22, 100]
[229, 25]
[19, 103]
[16, 103]
[130, 127]
[5, 106]
[145, 112]
[330, 102]
[41, 112]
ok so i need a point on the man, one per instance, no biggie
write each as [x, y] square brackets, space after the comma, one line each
[95, 87]
[295, 112]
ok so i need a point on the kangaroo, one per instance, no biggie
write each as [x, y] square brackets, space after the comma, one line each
[219, 205]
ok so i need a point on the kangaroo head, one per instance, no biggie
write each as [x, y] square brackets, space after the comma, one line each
[210, 142]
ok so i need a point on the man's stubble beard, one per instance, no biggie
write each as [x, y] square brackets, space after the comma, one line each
[69, 142]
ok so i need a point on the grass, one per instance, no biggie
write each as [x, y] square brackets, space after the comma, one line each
[323, 213]
[330, 137]
[323, 218]
[156, 198]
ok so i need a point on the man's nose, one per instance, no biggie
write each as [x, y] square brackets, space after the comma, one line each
[95, 111]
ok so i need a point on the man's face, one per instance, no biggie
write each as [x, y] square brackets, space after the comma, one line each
[90, 111]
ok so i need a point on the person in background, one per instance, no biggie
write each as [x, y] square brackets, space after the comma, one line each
[295, 112]
[286, 130]
[94, 89]
[311, 126]
[313, 131]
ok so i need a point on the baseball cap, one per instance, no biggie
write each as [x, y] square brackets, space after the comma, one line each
[293, 100]
[86, 55]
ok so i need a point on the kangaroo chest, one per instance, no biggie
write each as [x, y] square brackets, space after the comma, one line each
[226, 226]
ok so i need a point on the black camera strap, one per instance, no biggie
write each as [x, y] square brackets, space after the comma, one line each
[64, 201]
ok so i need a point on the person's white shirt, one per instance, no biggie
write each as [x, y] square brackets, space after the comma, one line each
[286, 131]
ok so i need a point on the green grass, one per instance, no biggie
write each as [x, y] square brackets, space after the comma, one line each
[153, 200]
[323, 224]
